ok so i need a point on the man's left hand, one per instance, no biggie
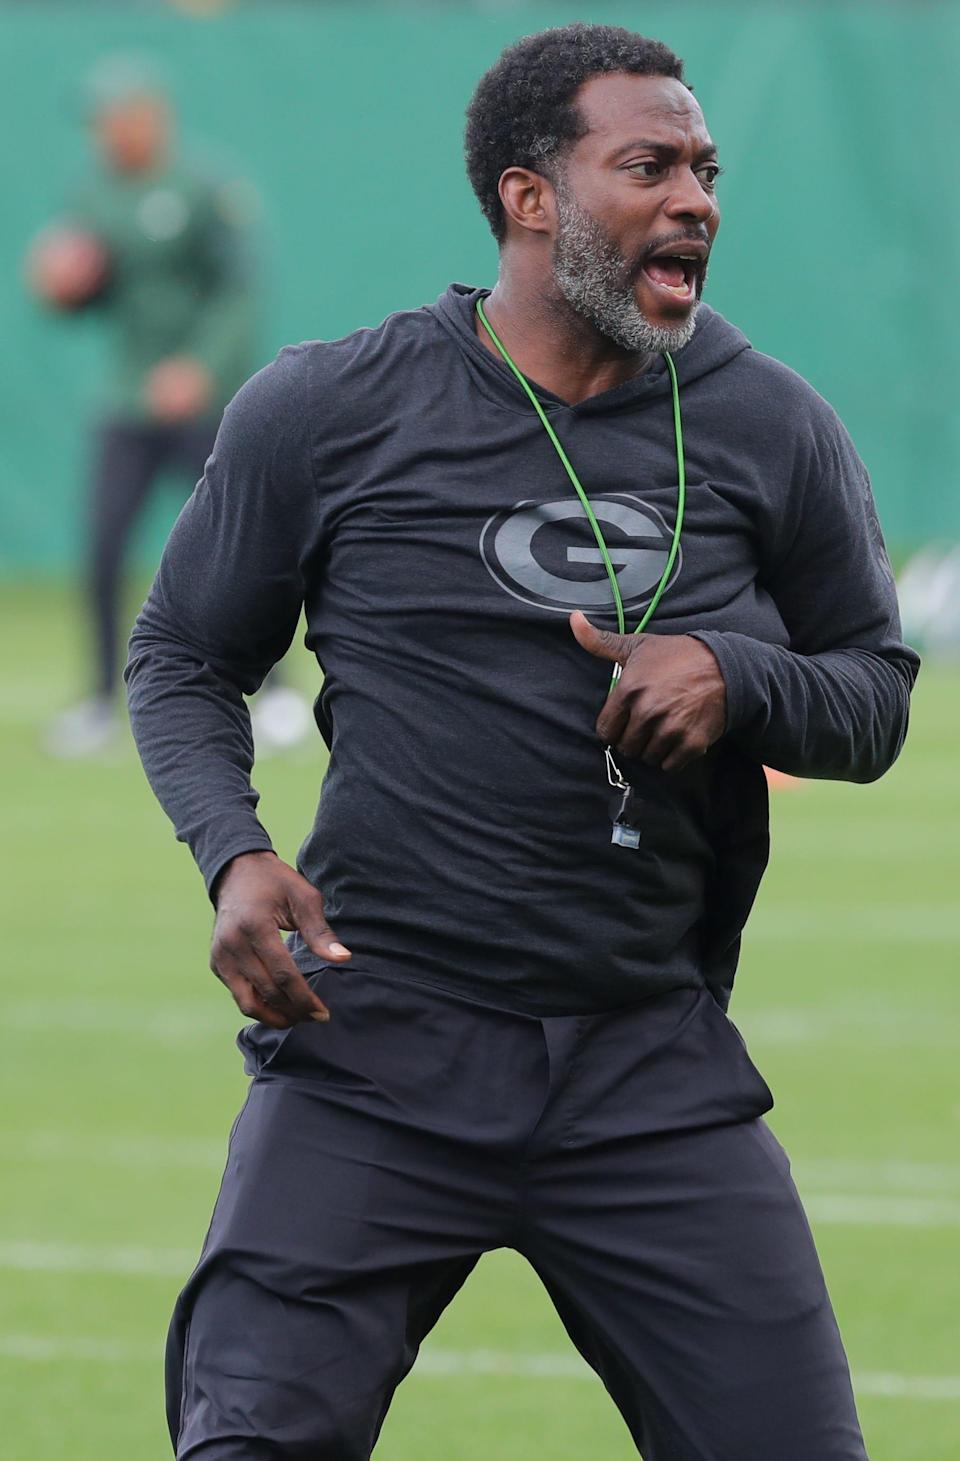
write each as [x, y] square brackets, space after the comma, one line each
[670, 703]
[178, 389]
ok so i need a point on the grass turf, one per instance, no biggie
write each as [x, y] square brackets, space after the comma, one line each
[120, 1080]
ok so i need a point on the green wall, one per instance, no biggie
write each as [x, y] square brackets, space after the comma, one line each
[839, 249]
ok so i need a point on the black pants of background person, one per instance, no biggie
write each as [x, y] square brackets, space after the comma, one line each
[128, 457]
[623, 1155]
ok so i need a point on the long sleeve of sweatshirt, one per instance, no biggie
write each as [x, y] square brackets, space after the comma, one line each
[222, 610]
[835, 704]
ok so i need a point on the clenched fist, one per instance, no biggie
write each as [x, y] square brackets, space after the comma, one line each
[178, 389]
[66, 267]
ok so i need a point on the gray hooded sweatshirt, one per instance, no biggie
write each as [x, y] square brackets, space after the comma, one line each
[397, 485]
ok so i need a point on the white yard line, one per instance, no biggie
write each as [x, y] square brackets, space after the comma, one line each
[825, 1179]
[42, 1350]
[154, 1152]
[826, 1209]
[440, 1364]
[37, 1257]
[908, 1387]
[914, 924]
[838, 1174]
[149, 1022]
[871, 1026]
[863, 1210]
[863, 1024]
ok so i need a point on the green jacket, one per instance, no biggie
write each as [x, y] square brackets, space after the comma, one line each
[180, 277]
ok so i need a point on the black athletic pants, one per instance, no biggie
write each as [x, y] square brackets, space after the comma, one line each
[622, 1154]
[128, 457]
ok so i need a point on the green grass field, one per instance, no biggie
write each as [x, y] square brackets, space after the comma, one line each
[120, 1081]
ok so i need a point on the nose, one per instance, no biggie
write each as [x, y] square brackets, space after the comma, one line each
[689, 199]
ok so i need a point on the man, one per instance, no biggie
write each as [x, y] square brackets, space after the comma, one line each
[513, 1032]
[160, 248]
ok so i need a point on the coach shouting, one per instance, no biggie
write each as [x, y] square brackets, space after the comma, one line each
[541, 832]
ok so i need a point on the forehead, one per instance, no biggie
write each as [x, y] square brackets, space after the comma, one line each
[619, 107]
[132, 107]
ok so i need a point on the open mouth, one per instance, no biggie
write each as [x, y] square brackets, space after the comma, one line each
[676, 275]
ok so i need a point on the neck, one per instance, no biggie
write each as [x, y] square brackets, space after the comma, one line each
[553, 345]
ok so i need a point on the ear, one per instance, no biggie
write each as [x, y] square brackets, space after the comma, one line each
[528, 199]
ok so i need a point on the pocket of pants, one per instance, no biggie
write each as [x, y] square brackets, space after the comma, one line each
[260, 1045]
[327, 1053]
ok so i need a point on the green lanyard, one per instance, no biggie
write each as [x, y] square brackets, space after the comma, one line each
[591, 515]
[626, 832]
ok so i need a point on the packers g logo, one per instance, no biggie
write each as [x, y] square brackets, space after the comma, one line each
[545, 553]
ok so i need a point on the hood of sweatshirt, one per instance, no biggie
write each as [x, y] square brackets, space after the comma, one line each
[715, 342]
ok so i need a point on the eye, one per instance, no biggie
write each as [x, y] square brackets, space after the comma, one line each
[646, 169]
[708, 174]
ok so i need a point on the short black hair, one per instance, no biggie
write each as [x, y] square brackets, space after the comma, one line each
[522, 113]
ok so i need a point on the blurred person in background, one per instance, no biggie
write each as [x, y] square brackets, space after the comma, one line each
[160, 248]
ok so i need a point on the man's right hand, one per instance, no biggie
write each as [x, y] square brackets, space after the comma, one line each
[67, 267]
[256, 897]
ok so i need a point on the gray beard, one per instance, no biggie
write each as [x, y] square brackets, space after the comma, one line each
[595, 280]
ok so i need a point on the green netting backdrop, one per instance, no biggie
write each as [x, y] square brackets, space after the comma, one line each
[838, 253]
